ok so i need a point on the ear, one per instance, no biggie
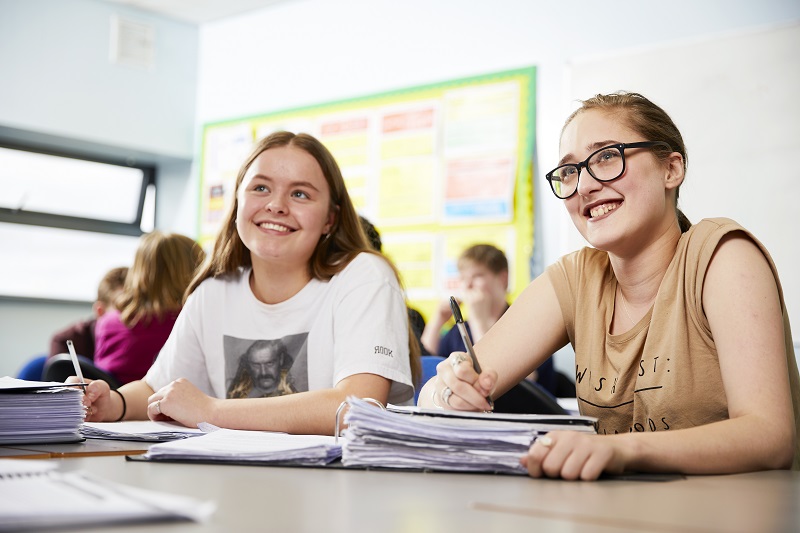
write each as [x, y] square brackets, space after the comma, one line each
[675, 172]
[99, 308]
[332, 214]
[504, 279]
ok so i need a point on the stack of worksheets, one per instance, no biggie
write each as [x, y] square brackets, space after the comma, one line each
[248, 447]
[413, 438]
[39, 412]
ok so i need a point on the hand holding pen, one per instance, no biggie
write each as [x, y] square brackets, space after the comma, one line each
[462, 329]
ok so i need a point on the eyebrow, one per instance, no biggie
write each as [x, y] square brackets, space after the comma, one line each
[298, 183]
[591, 148]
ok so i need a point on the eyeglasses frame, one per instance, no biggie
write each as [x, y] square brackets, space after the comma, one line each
[585, 163]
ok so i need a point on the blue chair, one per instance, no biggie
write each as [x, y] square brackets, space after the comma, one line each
[429, 363]
[33, 370]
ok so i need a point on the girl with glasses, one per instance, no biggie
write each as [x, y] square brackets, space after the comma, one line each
[682, 344]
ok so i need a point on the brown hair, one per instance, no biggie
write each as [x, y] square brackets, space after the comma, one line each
[162, 269]
[487, 255]
[648, 120]
[333, 252]
[111, 284]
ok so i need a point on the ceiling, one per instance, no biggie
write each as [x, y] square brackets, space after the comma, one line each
[198, 11]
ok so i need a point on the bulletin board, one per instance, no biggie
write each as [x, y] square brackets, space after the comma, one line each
[435, 168]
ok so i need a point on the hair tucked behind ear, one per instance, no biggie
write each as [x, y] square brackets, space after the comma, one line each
[648, 120]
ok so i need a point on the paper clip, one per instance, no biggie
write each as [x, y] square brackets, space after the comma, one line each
[339, 415]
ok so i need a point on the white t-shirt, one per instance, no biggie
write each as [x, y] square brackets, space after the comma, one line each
[355, 323]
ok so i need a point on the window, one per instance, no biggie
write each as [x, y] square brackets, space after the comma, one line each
[65, 221]
[71, 193]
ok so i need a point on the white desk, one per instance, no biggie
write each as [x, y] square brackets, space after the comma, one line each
[284, 499]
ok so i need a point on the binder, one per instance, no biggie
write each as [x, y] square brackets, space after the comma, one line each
[443, 440]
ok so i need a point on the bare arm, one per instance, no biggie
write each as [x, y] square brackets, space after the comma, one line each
[107, 406]
[743, 309]
[310, 412]
[741, 302]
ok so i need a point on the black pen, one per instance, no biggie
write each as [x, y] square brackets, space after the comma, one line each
[462, 328]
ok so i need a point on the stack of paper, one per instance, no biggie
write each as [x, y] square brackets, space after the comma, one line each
[37, 497]
[239, 446]
[138, 431]
[412, 438]
[39, 412]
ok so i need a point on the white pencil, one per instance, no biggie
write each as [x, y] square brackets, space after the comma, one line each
[75, 362]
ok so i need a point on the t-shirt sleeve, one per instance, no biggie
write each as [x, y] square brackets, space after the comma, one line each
[182, 355]
[371, 327]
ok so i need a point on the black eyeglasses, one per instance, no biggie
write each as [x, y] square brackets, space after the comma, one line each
[606, 164]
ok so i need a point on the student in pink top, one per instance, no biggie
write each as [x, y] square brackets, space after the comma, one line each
[129, 337]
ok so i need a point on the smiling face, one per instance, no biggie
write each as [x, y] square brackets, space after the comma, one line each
[283, 208]
[637, 206]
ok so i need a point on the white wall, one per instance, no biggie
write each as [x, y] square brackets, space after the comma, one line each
[314, 51]
[58, 89]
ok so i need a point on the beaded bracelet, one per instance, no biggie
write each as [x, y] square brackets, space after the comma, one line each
[124, 405]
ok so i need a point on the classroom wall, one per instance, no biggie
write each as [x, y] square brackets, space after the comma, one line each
[60, 90]
[297, 53]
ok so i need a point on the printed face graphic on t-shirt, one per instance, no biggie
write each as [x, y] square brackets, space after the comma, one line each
[264, 364]
[267, 367]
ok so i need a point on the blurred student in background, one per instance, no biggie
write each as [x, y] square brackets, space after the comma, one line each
[290, 263]
[81, 333]
[129, 336]
[483, 276]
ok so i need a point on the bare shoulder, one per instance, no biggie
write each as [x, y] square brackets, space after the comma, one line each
[738, 257]
[739, 279]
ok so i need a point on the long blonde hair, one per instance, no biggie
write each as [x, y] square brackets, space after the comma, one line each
[332, 253]
[162, 269]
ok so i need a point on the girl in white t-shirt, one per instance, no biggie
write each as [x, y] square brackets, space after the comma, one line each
[293, 313]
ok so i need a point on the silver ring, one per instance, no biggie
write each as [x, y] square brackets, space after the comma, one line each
[158, 406]
[446, 393]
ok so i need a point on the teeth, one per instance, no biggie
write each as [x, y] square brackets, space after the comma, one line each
[276, 227]
[601, 210]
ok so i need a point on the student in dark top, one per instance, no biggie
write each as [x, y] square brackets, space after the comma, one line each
[483, 272]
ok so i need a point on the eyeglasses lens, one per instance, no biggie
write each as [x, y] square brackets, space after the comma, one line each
[604, 165]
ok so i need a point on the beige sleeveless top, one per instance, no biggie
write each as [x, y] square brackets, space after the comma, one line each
[664, 373]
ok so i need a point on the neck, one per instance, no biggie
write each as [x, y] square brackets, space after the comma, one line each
[640, 275]
[272, 285]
